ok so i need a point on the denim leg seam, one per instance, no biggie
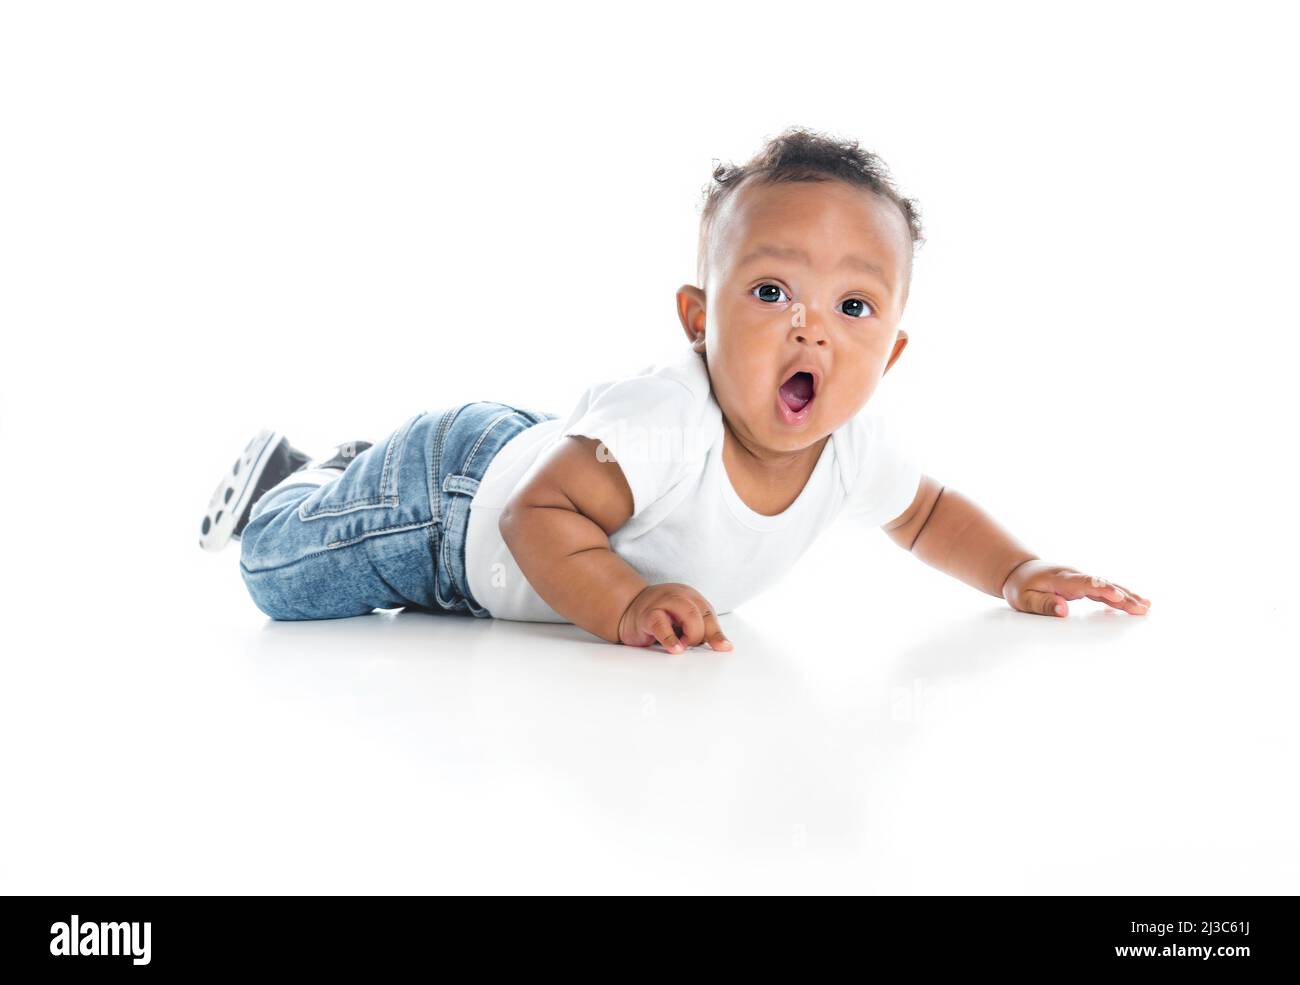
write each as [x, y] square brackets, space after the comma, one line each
[435, 500]
[335, 545]
[388, 478]
[435, 460]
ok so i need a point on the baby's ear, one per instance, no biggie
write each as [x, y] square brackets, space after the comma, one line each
[691, 309]
[899, 346]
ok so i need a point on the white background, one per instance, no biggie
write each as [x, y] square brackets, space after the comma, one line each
[327, 217]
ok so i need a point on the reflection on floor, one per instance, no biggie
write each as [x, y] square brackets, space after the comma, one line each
[894, 735]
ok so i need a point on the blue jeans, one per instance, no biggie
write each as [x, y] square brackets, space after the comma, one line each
[387, 532]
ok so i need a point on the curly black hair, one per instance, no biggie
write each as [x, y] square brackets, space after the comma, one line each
[802, 154]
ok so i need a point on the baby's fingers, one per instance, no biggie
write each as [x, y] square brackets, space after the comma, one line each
[1042, 603]
[661, 627]
[1116, 596]
[1141, 598]
[713, 634]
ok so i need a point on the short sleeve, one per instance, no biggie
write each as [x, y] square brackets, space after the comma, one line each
[649, 425]
[888, 476]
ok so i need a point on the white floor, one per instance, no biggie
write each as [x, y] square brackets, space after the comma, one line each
[311, 222]
[894, 733]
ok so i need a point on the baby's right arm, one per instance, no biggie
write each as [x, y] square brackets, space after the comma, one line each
[557, 527]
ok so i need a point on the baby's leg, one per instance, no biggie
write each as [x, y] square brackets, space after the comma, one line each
[330, 542]
[387, 532]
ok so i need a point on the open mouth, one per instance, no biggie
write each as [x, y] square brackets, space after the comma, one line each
[797, 392]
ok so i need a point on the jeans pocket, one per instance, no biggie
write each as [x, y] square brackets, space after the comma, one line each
[370, 482]
[382, 491]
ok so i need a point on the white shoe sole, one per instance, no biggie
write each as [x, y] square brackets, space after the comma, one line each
[234, 491]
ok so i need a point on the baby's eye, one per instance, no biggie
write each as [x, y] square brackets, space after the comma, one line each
[769, 287]
[856, 312]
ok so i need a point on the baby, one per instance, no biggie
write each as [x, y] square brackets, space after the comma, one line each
[671, 496]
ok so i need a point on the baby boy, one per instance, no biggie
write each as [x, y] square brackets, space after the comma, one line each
[667, 497]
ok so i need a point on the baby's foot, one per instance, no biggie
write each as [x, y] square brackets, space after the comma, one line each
[264, 462]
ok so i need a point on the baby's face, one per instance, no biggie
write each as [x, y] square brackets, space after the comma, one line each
[803, 276]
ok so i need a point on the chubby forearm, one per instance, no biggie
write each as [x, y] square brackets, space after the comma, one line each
[567, 560]
[962, 540]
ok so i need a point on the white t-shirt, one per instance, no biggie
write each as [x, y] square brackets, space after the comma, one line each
[665, 430]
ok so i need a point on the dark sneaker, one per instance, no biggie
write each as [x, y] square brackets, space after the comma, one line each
[343, 455]
[264, 462]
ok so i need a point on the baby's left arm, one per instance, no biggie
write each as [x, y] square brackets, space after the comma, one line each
[949, 532]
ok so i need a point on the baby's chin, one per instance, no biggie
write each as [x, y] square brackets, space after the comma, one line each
[777, 437]
[779, 430]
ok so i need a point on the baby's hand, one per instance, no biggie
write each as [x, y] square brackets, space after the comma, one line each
[1042, 588]
[660, 612]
